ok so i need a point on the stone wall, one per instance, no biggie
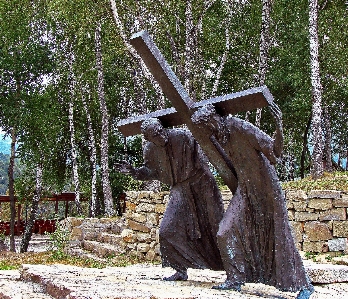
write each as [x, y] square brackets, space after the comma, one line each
[319, 219]
[319, 222]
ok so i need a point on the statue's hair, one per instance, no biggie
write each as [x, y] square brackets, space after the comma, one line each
[204, 114]
[149, 122]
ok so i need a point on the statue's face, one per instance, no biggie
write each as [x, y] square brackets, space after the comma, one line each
[156, 133]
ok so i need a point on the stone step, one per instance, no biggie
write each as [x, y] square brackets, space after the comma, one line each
[79, 252]
[110, 238]
[326, 273]
[145, 281]
[11, 287]
[103, 249]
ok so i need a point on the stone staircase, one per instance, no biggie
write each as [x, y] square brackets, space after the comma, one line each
[106, 238]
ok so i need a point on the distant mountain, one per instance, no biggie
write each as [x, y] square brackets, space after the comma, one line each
[5, 145]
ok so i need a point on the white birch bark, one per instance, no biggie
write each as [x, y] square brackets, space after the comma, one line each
[328, 140]
[264, 49]
[189, 48]
[104, 148]
[316, 127]
[222, 63]
[93, 158]
[76, 179]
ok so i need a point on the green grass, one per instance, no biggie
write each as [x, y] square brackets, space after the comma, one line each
[329, 181]
[12, 261]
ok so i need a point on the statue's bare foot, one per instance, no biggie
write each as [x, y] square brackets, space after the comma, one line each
[228, 285]
[177, 276]
[306, 293]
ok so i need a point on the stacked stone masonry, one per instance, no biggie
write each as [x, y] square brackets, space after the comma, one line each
[318, 219]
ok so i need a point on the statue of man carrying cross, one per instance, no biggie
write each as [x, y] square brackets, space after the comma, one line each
[254, 236]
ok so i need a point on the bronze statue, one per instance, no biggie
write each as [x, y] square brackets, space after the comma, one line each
[254, 237]
[191, 220]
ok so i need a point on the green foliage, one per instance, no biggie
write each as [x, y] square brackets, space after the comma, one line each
[2, 236]
[59, 240]
[6, 265]
[330, 181]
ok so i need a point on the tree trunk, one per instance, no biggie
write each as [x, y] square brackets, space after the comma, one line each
[11, 189]
[328, 140]
[223, 62]
[108, 202]
[93, 159]
[305, 147]
[76, 179]
[264, 48]
[33, 213]
[317, 156]
[190, 41]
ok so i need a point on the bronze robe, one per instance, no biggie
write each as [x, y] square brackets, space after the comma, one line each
[190, 223]
[254, 237]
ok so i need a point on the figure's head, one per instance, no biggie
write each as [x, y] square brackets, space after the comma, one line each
[208, 118]
[154, 132]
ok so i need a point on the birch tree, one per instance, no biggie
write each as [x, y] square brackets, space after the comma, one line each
[264, 49]
[316, 127]
[108, 202]
[75, 172]
[93, 158]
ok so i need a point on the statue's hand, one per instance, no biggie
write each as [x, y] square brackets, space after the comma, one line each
[124, 167]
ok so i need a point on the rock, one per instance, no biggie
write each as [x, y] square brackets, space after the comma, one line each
[338, 244]
[76, 234]
[150, 255]
[128, 236]
[130, 206]
[300, 206]
[340, 260]
[315, 246]
[291, 215]
[160, 208]
[145, 207]
[296, 195]
[138, 226]
[138, 217]
[297, 231]
[324, 194]
[327, 273]
[143, 247]
[341, 202]
[320, 203]
[305, 216]
[317, 231]
[340, 228]
[143, 237]
[333, 214]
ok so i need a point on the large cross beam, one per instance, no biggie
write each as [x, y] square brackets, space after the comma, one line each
[184, 107]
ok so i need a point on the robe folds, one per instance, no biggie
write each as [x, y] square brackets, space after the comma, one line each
[190, 223]
[255, 239]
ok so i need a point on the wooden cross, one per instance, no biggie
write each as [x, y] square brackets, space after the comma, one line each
[184, 107]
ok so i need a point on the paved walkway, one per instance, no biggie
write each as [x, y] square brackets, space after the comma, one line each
[137, 281]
